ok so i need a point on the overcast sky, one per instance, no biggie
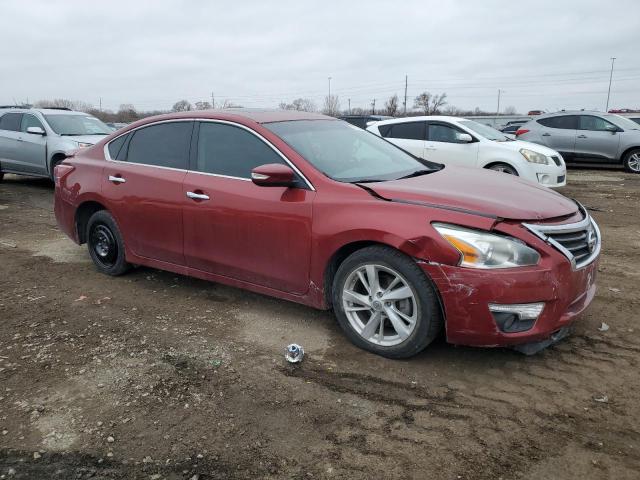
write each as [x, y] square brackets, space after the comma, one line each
[543, 54]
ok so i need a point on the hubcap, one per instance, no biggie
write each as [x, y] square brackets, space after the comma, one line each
[634, 162]
[503, 169]
[380, 305]
[104, 245]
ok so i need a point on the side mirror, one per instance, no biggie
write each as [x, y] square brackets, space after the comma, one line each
[611, 128]
[36, 130]
[464, 138]
[273, 175]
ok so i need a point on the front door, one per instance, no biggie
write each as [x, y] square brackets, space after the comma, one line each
[32, 151]
[143, 187]
[597, 140]
[443, 146]
[234, 228]
[409, 136]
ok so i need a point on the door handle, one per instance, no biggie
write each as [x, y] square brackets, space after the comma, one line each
[20, 139]
[582, 136]
[197, 196]
[430, 147]
[546, 134]
[116, 179]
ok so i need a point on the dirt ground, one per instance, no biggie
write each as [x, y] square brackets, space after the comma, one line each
[158, 376]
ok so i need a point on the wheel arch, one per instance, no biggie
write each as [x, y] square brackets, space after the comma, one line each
[626, 151]
[491, 163]
[82, 216]
[52, 158]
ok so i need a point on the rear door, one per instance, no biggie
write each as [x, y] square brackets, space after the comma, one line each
[32, 149]
[234, 228]
[410, 136]
[443, 146]
[597, 140]
[560, 134]
[142, 183]
[9, 142]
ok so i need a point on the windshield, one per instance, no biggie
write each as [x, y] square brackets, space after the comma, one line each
[77, 125]
[347, 153]
[485, 131]
[622, 122]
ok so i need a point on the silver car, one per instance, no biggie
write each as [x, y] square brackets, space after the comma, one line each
[587, 137]
[34, 141]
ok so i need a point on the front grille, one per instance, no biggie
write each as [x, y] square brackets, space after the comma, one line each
[580, 242]
[556, 159]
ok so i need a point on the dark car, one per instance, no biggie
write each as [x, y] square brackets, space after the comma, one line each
[363, 121]
[306, 208]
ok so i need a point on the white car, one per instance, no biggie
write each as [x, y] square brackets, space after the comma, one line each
[457, 141]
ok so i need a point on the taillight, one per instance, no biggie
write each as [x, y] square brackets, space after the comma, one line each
[62, 170]
[521, 131]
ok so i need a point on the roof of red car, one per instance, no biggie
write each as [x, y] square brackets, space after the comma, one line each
[257, 115]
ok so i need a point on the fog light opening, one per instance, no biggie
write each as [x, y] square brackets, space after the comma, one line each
[518, 317]
[544, 178]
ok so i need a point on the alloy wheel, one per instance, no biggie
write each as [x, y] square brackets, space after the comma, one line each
[380, 305]
[634, 162]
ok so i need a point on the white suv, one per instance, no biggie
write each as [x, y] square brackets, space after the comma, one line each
[457, 141]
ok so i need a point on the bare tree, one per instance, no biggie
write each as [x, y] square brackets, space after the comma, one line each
[127, 113]
[65, 103]
[510, 110]
[331, 105]
[438, 101]
[430, 104]
[229, 104]
[299, 104]
[391, 106]
[181, 106]
[203, 105]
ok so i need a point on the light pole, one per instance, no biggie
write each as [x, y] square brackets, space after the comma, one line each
[498, 110]
[329, 88]
[613, 59]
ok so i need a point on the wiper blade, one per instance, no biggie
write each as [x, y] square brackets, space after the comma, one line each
[367, 180]
[417, 173]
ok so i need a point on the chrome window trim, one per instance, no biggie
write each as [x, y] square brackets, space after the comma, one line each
[541, 232]
[107, 156]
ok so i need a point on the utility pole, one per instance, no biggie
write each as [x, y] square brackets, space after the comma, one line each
[373, 107]
[329, 88]
[100, 103]
[498, 111]
[213, 102]
[613, 59]
[349, 100]
[406, 79]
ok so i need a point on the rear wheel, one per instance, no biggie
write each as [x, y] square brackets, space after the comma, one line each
[105, 244]
[631, 161]
[385, 303]
[504, 168]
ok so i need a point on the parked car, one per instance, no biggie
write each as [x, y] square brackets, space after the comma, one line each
[535, 112]
[308, 208]
[33, 141]
[510, 130]
[116, 125]
[587, 137]
[363, 121]
[458, 141]
[635, 119]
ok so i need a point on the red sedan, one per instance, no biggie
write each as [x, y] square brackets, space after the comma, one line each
[311, 209]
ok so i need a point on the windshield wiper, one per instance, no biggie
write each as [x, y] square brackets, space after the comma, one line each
[417, 173]
[367, 180]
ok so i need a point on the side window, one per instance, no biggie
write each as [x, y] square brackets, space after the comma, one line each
[589, 122]
[11, 122]
[567, 122]
[442, 133]
[161, 145]
[29, 121]
[116, 150]
[407, 131]
[384, 130]
[232, 151]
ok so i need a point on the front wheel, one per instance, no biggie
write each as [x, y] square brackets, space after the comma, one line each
[385, 303]
[504, 168]
[105, 243]
[631, 161]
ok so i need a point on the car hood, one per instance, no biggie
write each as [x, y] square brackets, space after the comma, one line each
[480, 192]
[92, 139]
[517, 145]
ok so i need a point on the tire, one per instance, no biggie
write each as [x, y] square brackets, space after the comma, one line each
[412, 295]
[105, 244]
[631, 161]
[54, 162]
[1, 176]
[504, 168]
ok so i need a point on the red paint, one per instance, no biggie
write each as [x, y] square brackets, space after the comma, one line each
[280, 241]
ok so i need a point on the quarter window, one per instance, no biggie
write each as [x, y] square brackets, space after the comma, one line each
[116, 150]
[161, 145]
[406, 131]
[597, 124]
[232, 151]
[11, 122]
[567, 122]
[30, 121]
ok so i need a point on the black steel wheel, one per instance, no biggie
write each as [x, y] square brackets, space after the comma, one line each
[105, 243]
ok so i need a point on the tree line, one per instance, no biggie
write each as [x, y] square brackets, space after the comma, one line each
[423, 104]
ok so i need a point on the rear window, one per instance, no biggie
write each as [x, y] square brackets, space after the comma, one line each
[161, 145]
[567, 122]
[406, 130]
[11, 122]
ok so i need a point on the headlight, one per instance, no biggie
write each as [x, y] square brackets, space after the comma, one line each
[534, 157]
[83, 144]
[480, 249]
